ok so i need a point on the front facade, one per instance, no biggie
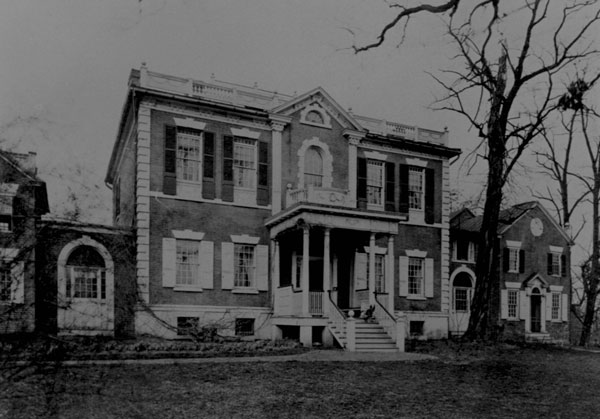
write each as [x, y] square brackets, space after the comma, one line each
[273, 215]
[532, 298]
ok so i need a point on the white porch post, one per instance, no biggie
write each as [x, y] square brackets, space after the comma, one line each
[305, 268]
[372, 269]
[275, 272]
[326, 270]
[389, 274]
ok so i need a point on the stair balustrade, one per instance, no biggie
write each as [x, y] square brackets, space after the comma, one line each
[337, 322]
[394, 327]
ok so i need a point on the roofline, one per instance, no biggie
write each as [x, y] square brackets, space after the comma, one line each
[414, 145]
[547, 214]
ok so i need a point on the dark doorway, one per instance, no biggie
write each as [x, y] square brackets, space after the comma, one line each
[536, 311]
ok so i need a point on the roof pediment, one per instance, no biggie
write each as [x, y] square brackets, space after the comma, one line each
[320, 98]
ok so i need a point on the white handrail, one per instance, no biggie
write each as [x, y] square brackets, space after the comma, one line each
[338, 319]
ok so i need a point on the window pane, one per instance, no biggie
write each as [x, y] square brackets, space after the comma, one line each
[313, 167]
[188, 156]
[461, 299]
[415, 276]
[379, 273]
[555, 305]
[375, 182]
[244, 265]
[5, 285]
[85, 282]
[513, 260]
[244, 162]
[415, 187]
[513, 301]
[187, 262]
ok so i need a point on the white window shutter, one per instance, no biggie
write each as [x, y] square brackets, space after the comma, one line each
[429, 277]
[227, 271]
[169, 262]
[207, 256]
[523, 305]
[565, 307]
[548, 306]
[504, 304]
[403, 266]
[262, 267]
[360, 270]
[18, 283]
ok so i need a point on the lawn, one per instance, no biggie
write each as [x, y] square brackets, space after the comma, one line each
[508, 382]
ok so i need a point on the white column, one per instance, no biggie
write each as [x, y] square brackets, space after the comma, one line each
[305, 268]
[389, 274]
[352, 168]
[275, 272]
[372, 269]
[326, 270]
[276, 167]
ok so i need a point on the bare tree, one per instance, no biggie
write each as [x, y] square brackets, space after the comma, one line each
[505, 90]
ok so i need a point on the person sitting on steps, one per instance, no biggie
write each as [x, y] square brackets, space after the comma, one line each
[368, 314]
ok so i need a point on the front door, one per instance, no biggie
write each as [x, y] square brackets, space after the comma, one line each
[536, 313]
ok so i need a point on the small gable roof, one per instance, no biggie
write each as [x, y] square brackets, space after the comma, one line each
[319, 95]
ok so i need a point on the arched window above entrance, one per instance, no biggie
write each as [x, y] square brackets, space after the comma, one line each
[85, 274]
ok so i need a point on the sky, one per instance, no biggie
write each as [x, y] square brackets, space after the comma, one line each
[65, 66]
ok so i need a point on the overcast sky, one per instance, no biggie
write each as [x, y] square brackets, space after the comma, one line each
[65, 65]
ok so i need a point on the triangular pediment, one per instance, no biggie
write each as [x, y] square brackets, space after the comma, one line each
[319, 99]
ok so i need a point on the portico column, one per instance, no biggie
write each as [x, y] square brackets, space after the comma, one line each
[275, 272]
[372, 269]
[305, 268]
[389, 274]
[326, 270]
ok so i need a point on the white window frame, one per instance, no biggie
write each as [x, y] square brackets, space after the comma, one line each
[411, 277]
[556, 264]
[470, 251]
[6, 211]
[237, 268]
[310, 167]
[192, 269]
[556, 308]
[416, 189]
[513, 259]
[515, 306]
[250, 145]
[467, 297]
[184, 134]
[380, 165]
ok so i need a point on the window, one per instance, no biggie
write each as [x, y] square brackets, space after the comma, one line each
[244, 265]
[86, 274]
[513, 259]
[6, 212]
[5, 285]
[187, 325]
[298, 272]
[513, 303]
[416, 188]
[556, 305]
[462, 292]
[244, 163]
[554, 264]
[188, 154]
[464, 250]
[314, 117]
[188, 262]
[416, 328]
[415, 276]
[375, 183]
[313, 167]
[244, 327]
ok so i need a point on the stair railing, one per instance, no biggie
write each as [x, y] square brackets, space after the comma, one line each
[338, 318]
[393, 327]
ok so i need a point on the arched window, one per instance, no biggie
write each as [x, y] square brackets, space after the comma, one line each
[314, 117]
[313, 167]
[462, 291]
[85, 274]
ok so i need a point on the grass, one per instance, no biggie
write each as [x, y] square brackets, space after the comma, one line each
[466, 382]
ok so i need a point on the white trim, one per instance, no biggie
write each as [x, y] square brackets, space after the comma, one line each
[416, 162]
[513, 244]
[187, 234]
[187, 288]
[245, 132]
[156, 194]
[327, 161]
[244, 239]
[190, 123]
[415, 253]
[556, 249]
[377, 250]
[512, 285]
[375, 155]
[556, 288]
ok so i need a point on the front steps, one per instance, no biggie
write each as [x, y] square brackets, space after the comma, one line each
[369, 337]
